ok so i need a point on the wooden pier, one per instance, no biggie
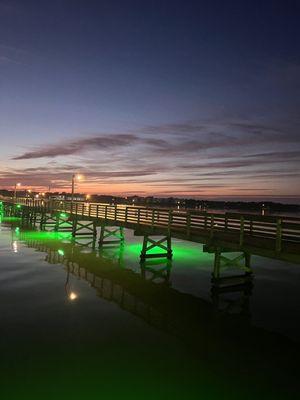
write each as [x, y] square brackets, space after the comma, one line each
[275, 237]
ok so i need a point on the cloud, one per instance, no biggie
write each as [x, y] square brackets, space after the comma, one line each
[61, 178]
[11, 55]
[176, 139]
[191, 157]
[252, 160]
[67, 148]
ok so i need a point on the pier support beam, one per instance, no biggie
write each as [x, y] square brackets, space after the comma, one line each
[63, 223]
[157, 270]
[48, 221]
[241, 261]
[149, 243]
[232, 294]
[111, 235]
[83, 228]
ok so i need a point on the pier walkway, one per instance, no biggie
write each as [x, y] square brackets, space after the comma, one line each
[269, 236]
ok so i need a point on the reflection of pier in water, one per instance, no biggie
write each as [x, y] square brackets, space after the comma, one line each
[150, 296]
[226, 343]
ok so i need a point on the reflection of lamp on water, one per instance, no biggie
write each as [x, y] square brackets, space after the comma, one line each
[71, 295]
[15, 246]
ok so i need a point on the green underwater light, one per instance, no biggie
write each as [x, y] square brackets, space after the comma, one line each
[18, 205]
[61, 252]
[63, 215]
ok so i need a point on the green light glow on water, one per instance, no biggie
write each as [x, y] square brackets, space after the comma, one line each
[61, 252]
[182, 251]
[63, 215]
[11, 219]
[44, 235]
[19, 206]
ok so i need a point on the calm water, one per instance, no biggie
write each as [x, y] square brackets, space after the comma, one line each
[78, 323]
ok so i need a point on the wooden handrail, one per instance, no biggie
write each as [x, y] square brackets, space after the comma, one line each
[280, 228]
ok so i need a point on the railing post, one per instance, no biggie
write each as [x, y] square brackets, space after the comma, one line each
[97, 212]
[251, 226]
[139, 215]
[205, 221]
[170, 220]
[226, 222]
[279, 235]
[126, 213]
[212, 220]
[105, 214]
[242, 226]
[116, 213]
[188, 223]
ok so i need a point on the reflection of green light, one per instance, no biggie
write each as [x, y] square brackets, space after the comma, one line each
[182, 251]
[18, 205]
[11, 219]
[179, 249]
[45, 235]
[61, 252]
[17, 230]
[63, 215]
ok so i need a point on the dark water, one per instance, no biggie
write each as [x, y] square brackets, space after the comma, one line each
[78, 323]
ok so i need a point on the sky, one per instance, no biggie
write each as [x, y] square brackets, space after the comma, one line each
[165, 98]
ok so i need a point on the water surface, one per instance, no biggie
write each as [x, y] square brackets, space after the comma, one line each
[84, 323]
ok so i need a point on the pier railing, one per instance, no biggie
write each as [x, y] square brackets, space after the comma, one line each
[189, 222]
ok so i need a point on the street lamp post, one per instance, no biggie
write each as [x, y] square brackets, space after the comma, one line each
[74, 177]
[15, 192]
[72, 192]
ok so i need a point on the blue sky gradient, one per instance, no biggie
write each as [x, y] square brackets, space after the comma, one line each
[171, 98]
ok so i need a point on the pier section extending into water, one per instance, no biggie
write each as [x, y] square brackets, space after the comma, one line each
[275, 237]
